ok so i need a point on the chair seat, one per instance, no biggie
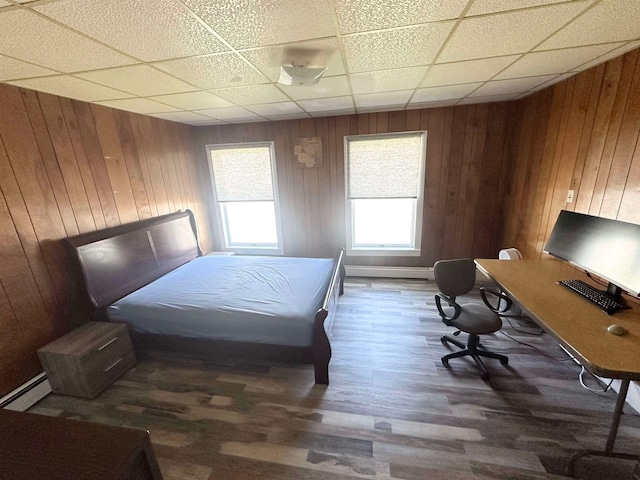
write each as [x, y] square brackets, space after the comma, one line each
[475, 318]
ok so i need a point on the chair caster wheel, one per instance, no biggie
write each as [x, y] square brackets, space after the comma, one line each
[445, 362]
[505, 362]
[443, 341]
[484, 376]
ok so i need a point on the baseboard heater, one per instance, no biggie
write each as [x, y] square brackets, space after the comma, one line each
[425, 273]
[389, 272]
[27, 395]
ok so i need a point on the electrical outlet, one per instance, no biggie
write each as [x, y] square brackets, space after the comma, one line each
[570, 196]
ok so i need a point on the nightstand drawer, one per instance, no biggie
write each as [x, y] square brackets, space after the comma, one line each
[100, 375]
[87, 360]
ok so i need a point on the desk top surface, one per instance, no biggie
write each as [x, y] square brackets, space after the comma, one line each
[36, 446]
[575, 322]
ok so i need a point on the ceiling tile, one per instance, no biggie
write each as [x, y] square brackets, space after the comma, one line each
[320, 104]
[27, 36]
[251, 94]
[480, 7]
[444, 93]
[466, 72]
[503, 87]
[193, 100]
[150, 31]
[327, 87]
[227, 113]
[507, 33]
[213, 71]
[365, 15]
[13, 69]
[438, 103]
[333, 113]
[553, 80]
[554, 61]
[404, 47]
[313, 53]
[608, 21]
[487, 99]
[71, 87]
[141, 80]
[138, 105]
[385, 99]
[181, 116]
[290, 116]
[268, 109]
[627, 47]
[387, 80]
[208, 122]
[256, 23]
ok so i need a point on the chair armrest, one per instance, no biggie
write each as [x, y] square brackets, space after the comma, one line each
[457, 310]
[499, 296]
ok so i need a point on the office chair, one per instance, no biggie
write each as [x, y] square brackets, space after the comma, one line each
[455, 278]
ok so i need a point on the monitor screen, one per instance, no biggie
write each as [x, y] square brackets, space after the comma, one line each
[604, 247]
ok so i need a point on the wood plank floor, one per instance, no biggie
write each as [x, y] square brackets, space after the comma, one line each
[392, 410]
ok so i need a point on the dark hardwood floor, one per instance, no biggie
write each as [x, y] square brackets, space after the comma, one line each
[392, 409]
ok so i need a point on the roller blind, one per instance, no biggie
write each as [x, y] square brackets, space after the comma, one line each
[242, 173]
[384, 166]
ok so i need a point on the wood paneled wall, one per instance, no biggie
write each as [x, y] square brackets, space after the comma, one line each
[68, 167]
[580, 134]
[464, 181]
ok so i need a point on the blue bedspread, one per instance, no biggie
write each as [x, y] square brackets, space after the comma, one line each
[269, 300]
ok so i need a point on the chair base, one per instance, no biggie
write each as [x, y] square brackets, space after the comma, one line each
[471, 349]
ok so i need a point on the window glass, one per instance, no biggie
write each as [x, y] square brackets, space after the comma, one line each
[243, 179]
[385, 190]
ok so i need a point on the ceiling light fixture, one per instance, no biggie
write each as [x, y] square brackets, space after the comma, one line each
[300, 75]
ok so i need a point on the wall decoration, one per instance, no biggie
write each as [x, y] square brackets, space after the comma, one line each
[308, 152]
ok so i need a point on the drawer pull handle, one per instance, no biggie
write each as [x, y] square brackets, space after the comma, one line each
[108, 343]
[113, 364]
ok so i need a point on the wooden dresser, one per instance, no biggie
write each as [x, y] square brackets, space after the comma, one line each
[40, 447]
[87, 360]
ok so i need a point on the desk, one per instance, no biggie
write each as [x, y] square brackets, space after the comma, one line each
[577, 324]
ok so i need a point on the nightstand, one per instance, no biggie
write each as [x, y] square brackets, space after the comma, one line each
[88, 359]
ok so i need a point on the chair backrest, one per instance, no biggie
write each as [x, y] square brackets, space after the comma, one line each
[455, 277]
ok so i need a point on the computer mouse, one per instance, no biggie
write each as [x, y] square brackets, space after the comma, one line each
[617, 329]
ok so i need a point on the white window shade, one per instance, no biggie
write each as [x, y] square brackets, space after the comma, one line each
[384, 167]
[242, 174]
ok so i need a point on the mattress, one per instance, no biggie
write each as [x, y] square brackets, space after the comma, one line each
[271, 300]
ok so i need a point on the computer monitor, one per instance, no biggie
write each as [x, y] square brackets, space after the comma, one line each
[607, 248]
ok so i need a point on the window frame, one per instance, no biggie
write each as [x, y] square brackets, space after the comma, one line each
[416, 249]
[258, 249]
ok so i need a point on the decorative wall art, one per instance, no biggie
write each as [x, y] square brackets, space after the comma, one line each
[308, 152]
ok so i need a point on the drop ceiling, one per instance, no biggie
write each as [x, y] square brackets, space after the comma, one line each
[206, 62]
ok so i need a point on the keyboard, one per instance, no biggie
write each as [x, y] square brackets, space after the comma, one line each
[600, 298]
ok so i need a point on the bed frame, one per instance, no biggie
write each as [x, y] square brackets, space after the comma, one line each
[117, 261]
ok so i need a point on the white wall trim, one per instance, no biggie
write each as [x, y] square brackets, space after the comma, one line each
[389, 272]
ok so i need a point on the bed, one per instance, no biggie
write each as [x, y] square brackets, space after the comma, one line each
[152, 276]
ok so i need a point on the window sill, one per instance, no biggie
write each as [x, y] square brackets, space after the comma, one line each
[254, 250]
[382, 252]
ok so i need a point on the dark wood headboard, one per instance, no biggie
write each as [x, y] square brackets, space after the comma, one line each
[117, 261]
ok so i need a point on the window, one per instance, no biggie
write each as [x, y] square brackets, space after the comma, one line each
[385, 186]
[243, 178]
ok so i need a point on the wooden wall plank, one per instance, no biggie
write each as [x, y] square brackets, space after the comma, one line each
[130, 155]
[50, 161]
[87, 126]
[591, 146]
[64, 166]
[57, 128]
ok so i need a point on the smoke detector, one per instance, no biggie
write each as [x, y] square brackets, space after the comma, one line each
[300, 75]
